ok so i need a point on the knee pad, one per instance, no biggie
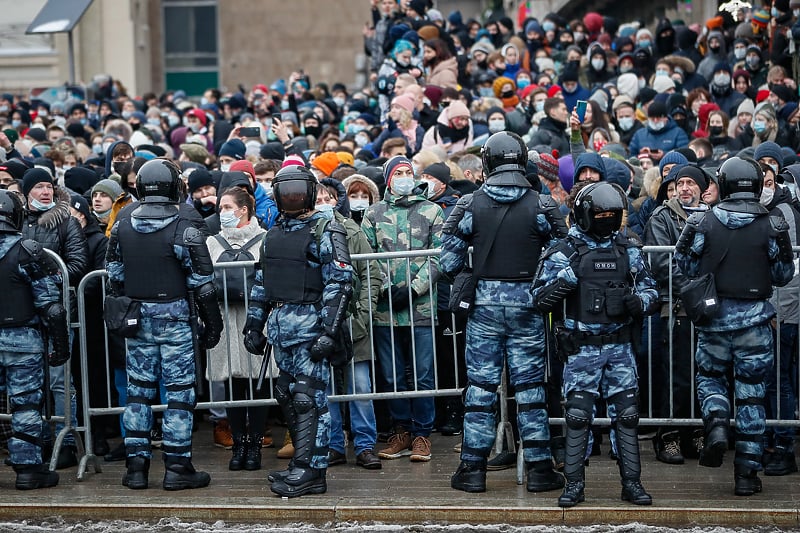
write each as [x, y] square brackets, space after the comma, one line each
[627, 404]
[756, 377]
[181, 397]
[578, 409]
[141, 392]
[282, 394]
[305, 389]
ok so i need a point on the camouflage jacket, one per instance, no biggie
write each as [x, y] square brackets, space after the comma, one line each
[403, 223]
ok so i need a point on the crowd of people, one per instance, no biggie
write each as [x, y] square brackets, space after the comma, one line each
[400, 165]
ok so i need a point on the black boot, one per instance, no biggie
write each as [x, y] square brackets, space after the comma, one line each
[578, 416]
[630, 466]
[542, 477]
[34, 477]
[716, 440]
[275, 475]
[301, 480]
[253, 458]
[180, 474]
[67, 457]
[454, 418]
[136, 476]
[470, 476]
[239, 450]
[746, 481]
[573, 494]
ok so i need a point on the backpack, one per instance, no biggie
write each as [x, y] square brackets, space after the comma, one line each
[236, 279]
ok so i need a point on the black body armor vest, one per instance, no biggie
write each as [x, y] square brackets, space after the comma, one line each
[16, 305]
[601, 272]
[284, 262]
[744, 273]
[152, 272]
[517, 244]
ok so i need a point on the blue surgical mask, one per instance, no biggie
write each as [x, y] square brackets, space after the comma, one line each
[227, 219]
[154, 121]
[403, 186]
[625, 123]
[538, 106]
[173, 121]
[522, 83]
[267, 188]
[83, 121]
[645, 43]
[486, 92]
[352, 129]
[97, 148]
[656, 126]
[359, 204]
[774, 12]
[284, 105]
[759, 126]
[39, 206]
[548, 26]
[16, 124]
[126, 115]
[661, 72]
[326, 210]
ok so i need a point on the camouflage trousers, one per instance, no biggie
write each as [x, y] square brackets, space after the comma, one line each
[606, 370]
[22, 377]
[162, 349]
[296, 361]
[749, 353]
[515, 336]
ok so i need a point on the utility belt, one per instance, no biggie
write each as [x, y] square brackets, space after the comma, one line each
[568, 341]
[317, 305]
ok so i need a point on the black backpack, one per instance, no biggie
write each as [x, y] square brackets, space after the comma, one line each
[234, 279]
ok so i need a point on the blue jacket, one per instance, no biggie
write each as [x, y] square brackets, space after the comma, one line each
[671, 137]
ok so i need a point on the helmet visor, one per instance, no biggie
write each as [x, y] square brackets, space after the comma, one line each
[292, 195]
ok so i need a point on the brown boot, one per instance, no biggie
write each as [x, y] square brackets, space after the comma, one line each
[287, 451]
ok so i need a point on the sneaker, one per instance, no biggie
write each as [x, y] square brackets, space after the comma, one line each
[367, 459]
[421, 450]
[156, 436]
[336, 458]
[267, 442]
[502, 461]
[222, 435]
[668, 450]
[457, 447]
[399, 446]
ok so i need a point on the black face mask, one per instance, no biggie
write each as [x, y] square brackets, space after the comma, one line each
[507, 94]
[135, 125]
[314, 131]
[681, 122]
[123, 168]
[715, 131]
[603, 228]
[714, 49]
[499, 71]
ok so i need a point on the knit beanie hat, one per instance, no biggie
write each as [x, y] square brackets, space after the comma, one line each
[244, 166]
[663, 84]
[15, 168]
[234, 148]
[497, 85]
[657, 109]
[696, 173]
[404, 101]
[628, 84]
[200, 178]
[326, 162]
[32, 177]
[272, 150]
[746, 106]
[440, 171]
[80, 179]
[761, 18]
[783, 92]
[769, 149]
[766, 109]
[457, 109]
[671, 157]
[109, 187]
[79, 203]
[195, 152]
[393, 164]
[548, 167]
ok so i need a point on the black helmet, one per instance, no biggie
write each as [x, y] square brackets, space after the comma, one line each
[158, 181]
[12, 212]
[599, 197]
[504, 158]
[740, 178]
[295, 190]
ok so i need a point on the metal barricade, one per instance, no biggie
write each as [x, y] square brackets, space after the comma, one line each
[402, 380]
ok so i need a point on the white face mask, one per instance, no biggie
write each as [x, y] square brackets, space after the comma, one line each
[739, 52]
[656, 126]
[403, 186]
[767, 195]
[227, 219]
[326, 210]
[359, 204]
[225, 167]
[597, 64]
[267, 188]
[497, 125]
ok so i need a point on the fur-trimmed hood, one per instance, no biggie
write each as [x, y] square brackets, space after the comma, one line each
[53, 217]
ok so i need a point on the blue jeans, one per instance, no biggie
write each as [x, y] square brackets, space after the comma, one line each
[397, 374]
[781, 391]
[362, 415]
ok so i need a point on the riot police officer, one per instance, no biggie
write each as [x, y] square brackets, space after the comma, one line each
[605, 283]
[508, 224]
[303, 287]
[156, 237]
[737, 235]
[30, 284]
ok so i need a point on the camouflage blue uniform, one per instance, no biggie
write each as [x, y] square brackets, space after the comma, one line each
[161, 350]
[610, 368]
[503, 327]
[740, 336]
[293, 328]
[22, 362]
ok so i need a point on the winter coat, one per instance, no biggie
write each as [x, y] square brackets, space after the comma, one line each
[242, 364]
[434, 138]
[663, 229]
[444, 74]
[403, 223]
[786, 299]
[669, 138]
[552, 134]
[56, 230]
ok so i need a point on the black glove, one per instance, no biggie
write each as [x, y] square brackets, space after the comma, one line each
[59, 355]
[255, 341]
[209, 338]
[400, 299]
[323, 348]
[634, 305]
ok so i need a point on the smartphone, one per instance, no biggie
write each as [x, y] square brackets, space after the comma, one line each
[580, 108]
[250, 132]
[276, 117]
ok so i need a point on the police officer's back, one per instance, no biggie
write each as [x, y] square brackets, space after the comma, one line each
[31, 306]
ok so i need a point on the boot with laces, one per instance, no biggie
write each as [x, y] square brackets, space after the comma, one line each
[399, 445]
[470, 476]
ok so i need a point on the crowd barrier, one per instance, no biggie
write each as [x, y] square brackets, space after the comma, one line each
[451, 337]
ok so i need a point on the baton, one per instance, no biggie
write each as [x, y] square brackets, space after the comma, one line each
[48, 401]
[262, 373]
[196, 348]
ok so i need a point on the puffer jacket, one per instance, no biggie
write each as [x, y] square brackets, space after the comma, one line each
[56, 230]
